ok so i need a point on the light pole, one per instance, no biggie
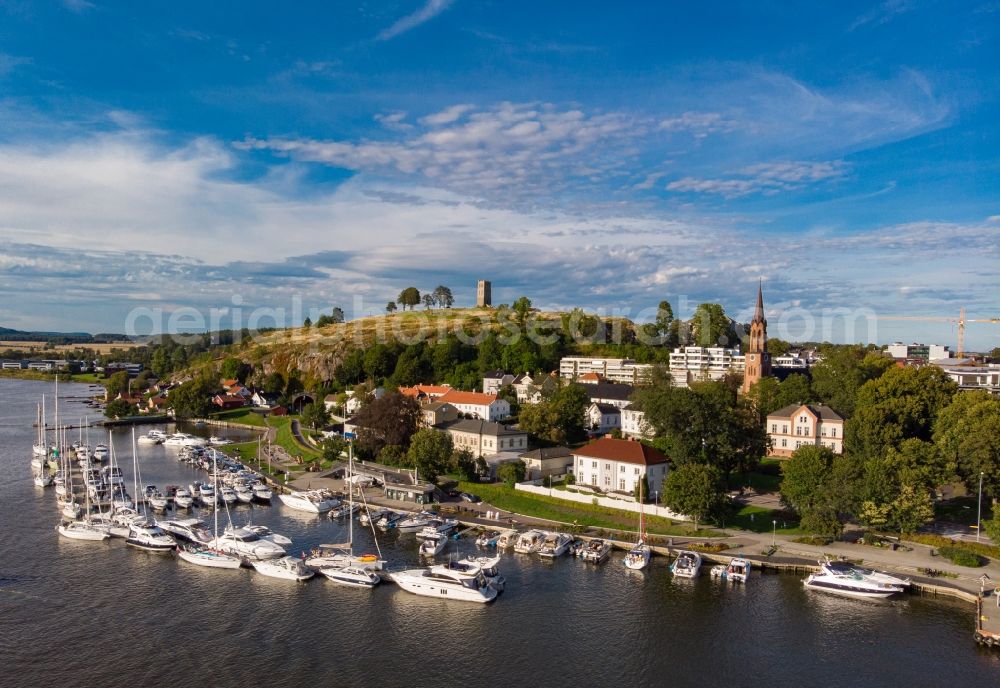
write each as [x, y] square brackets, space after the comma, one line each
[979, 512]
[774, 534]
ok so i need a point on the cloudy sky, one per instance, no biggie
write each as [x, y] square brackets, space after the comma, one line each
[163, 155]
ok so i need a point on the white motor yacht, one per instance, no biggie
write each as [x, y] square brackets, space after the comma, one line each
[207, 494]
[595, 551]
[443, 582]
[413, 523]
[432, 546]
[218, 441]
[149, 438]
[244, 493]
[209, 558]
[183, 499]
[507, 538]
[850, 585]
[228, 495]
[100, 453]
[246, 543]
[686, 565]
[313, 501]
[158, 501]
[151, 538]
[356, 576]
[112, 475]
[188, 529]
[262, 493]
[846, 568]
[487, 565]
[288, 568]
[265, 533]
[529, 541]
[555, 545]
[182, 439]
[737, 570]
[81, 530]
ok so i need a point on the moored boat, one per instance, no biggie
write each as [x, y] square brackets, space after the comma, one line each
[595, 551]
[287, 568]
[686, 565]
[737, 570]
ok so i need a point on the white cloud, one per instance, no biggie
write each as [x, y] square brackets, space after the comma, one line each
[431, 9]
[698, 124]
[882, 13]
[523, 147]
[8, 63]
[765, 178]
[446, 116]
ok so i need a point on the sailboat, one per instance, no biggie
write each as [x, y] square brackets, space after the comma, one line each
[83, 529]
[41, 447]
[351, 573]
[638, 557]
[210, 557]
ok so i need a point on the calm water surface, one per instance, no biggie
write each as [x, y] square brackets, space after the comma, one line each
[83, 614]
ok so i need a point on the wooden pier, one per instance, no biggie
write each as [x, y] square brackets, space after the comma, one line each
[988, 617]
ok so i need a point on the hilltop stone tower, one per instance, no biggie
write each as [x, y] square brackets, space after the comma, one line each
[758, 361]
[484, 299]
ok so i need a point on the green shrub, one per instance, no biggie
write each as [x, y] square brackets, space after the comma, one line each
[817, 540]
[962, 557]
[981, 548]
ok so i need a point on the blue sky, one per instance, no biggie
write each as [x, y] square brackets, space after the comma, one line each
[162, 155]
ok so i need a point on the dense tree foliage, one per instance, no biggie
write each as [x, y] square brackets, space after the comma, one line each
[695, 490]
[837, 379]
[315, 415]
[967, 433]
[706, 423]
[901, 404]
[511, 472]
[442, 296]
[559, 419]
[193, 399]
[119, 408]
[390, 420]
[408, 297]
[430, 453]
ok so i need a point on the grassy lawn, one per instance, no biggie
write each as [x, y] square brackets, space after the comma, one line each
[240, 415]
[767, 477]
[761, 520]
[542, 506]
[89, 378]
[284, 438]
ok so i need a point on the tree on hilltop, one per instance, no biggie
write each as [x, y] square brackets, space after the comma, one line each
[409, 297]
[443, 297]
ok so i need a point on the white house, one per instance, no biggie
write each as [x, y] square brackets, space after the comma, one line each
[477, 404]
[354, 403]
[614, 465]
[530, 389]
[264, 399]
[634, 422]
[496, 380]
[603, 417]
[799, 425]
[484, 438]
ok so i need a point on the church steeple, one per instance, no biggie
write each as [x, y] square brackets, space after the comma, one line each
[758, 314]
[757, 362]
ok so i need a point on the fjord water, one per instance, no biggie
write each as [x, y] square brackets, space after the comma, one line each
[84, 614]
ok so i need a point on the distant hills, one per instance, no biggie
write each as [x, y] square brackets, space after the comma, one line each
[9, 335]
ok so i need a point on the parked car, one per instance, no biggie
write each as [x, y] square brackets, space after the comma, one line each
[466, 497]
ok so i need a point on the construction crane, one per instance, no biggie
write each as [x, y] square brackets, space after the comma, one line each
[961, 320]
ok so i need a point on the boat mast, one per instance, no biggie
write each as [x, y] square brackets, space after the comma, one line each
[58, 446]
[350, 497]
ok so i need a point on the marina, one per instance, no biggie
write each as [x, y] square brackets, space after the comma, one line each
[581, 604]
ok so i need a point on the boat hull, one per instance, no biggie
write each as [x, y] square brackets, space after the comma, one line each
[211, 560]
